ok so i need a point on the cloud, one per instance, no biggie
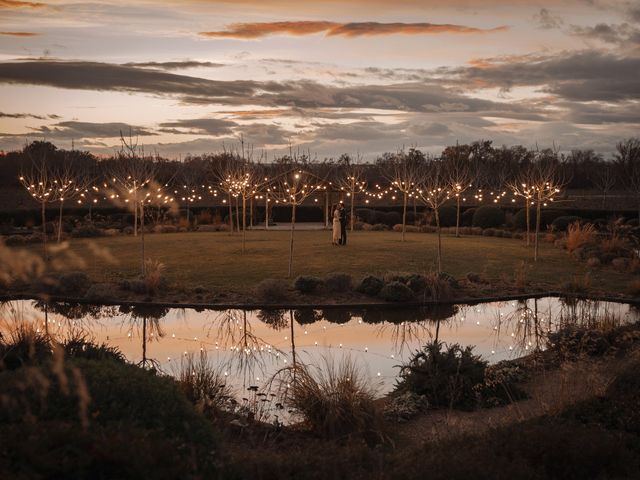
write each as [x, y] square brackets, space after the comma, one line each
[178, 65]
[19, 34]
[199, 126]
[589, 75]
[546, 20]
[20, 4]
[27, 115]
[615, 34]
[331, 29]
[83, 130]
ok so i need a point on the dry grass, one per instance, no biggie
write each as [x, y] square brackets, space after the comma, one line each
[579, 235]
[614, 244]
[153, 278]
[203, 383]
[335, 398]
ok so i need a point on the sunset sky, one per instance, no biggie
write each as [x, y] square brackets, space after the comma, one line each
[333, 77]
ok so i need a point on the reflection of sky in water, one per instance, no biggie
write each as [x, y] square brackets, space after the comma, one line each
[499, 330]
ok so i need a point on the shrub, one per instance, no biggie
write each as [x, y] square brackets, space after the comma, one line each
[573, 341]
[379, 227]
[71, 283]
[366, 215]
[407, 228]
[615, 245]
[593, 262]
[370, 285]
[547, 216]
[579, 235]
[439, 286]
[15, 241]
[86, 231]
[500, 384]
[78, 345]
[561, 224]
[272, 290]
[417, 283]
[338, 282]
[447, 216]
[23, 345]
[447, 375]
[305, 284]
[466, 217]
[391, 218]
[396, 292]
[488, 217]
[334, 399]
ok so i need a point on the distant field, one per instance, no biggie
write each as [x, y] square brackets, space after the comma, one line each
[215, 259]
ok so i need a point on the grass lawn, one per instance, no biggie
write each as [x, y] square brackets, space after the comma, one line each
[215, 259]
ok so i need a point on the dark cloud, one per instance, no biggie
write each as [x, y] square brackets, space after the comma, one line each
[178, 65]
[22, 115]
[87, 130]
[588, 75]
[546, 20]
[19, 34]
[199, 126]
[615, 34]
[353, 29]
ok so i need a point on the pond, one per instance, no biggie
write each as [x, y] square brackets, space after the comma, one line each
[248, 347]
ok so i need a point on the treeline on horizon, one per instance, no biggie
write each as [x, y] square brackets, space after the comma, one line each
[490, 166]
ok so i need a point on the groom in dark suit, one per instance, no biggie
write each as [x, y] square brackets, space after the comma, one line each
[343, 225]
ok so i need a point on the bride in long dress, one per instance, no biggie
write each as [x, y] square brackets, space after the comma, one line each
[336, 224]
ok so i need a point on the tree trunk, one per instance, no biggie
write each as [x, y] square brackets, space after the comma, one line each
[538, 215]
[237, 214]
[266, 211]
[144, 273]
[458, 215]
[326, 209]
[404, 214]
[60, 223]
[135, 212]
[293, 227]
[527, 209]
[251, 212]
[44, 232]
[244, 222]
[439, 241]
[230, 212]
[353, 202]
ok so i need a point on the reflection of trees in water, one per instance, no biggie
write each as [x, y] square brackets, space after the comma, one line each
[147, 321]
[248, 353]
[588, 314]
[307, 316]
[337, 315]
[274, 318]
[77, 311]
[526, 323]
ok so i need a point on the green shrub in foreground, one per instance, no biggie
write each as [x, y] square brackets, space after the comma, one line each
[396, 292]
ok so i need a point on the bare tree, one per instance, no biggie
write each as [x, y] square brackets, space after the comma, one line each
[547, 183]
[353, 181]
[433, 190]
[39, 183]
[603, 177]
[522, 186]
[135, 186]
[404, 171]
[293, 187]
[628, 160]
[458, 174]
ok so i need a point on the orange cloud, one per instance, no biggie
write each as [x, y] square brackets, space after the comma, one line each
[20, 4]
[331, 29]
[19, 34]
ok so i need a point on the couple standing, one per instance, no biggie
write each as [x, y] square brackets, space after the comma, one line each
[340, 225]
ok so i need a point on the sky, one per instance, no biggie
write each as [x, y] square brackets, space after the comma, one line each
[360, 77]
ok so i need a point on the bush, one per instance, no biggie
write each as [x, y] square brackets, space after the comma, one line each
[203, 384]
[447, 216]
[71, 283]
[396, 292]
[547, 216]
[338, 282]
[391, 218]
[488, 217]
[305, 284]
[447, 375]
[561, 224]
[440, 286]
[370, 285]
[271, 290]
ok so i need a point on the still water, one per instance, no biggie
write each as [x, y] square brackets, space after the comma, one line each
[248, 347]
